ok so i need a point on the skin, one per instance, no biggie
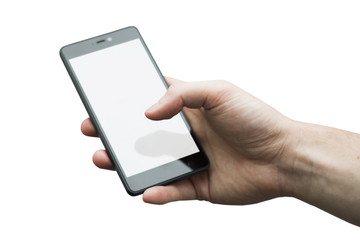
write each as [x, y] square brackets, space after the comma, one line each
[255, 152]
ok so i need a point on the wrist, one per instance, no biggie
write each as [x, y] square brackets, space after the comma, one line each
[319, 165]
[296, 165]
[313, 156]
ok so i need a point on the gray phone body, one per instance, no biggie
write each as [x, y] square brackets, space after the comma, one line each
[115, 75]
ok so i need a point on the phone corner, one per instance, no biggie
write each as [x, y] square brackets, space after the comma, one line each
[61, 52]
[134, 28]
[134, 193]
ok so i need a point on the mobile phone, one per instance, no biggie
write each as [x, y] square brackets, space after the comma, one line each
[117, 80]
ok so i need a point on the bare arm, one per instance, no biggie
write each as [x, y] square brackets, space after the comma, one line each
[322, 167]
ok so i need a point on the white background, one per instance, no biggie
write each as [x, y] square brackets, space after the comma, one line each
[302, 57]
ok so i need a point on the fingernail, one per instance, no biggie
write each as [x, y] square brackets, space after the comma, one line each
[153, 108]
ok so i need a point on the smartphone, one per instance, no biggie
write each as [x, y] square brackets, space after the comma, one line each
[117, 80]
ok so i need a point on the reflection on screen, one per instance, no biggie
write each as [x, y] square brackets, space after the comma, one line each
[120, 83]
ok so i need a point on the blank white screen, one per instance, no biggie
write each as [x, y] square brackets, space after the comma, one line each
[120, 83]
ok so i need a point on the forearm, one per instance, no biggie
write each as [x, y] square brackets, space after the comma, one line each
[321, 166]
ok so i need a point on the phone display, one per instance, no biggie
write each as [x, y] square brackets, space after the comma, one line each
[117, 80]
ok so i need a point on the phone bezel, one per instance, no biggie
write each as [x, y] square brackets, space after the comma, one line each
[162, 175]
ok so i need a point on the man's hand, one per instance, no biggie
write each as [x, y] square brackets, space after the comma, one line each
[255, 152]
[242, 136]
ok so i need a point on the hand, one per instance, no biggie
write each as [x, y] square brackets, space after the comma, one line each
[243, 137]
[256, 153]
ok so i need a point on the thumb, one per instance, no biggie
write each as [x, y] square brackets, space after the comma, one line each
[186, 94]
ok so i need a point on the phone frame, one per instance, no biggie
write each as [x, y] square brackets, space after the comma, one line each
[162, 175]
